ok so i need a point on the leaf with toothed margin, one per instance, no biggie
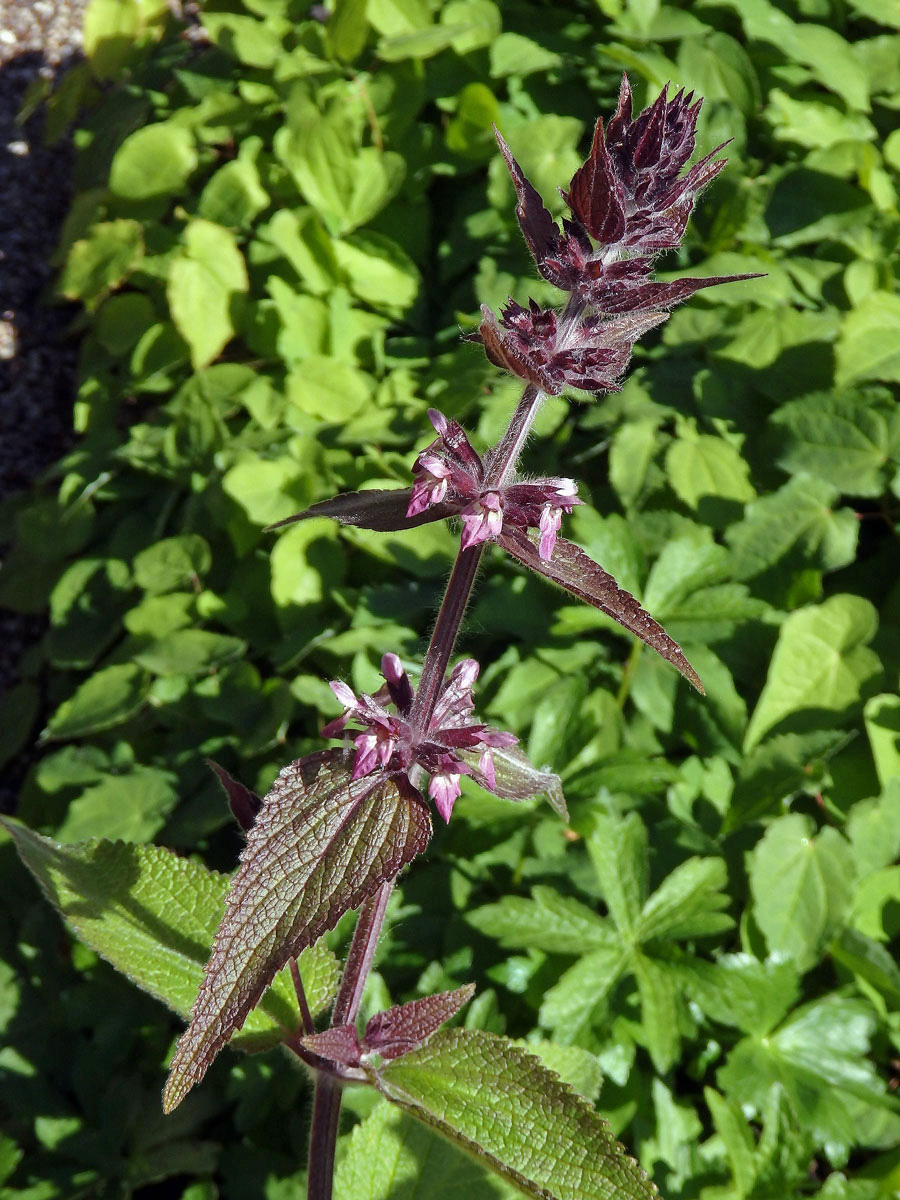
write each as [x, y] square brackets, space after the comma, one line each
[572, 569]
[516, 779]
[504, 1107]
[405, 1027]
[380, 509]
[153, 915]
[321, 844]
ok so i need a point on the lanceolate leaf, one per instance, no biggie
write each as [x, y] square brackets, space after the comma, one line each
[320, 845]
[502, 1105]
[153, 916]
[570, 568]
[380, 509]
[406, 1026]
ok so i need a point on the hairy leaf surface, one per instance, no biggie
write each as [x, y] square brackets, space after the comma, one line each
[320, 845]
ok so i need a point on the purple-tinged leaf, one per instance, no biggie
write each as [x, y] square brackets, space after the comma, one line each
[514, 777]
[538, 227]
[572, 569]
[243, 803]
[405, 1027]
[322, 844]
[596, 196]
[381, 509]
[340, 1044]
[504, 1107]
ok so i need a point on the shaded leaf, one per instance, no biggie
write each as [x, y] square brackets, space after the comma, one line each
[153, 916]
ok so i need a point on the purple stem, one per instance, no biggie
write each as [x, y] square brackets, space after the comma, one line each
[326, 1113]
[327, 1103]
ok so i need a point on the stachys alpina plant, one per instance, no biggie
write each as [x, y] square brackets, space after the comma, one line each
[339, 825]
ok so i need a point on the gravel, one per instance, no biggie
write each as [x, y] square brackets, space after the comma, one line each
[38, 38]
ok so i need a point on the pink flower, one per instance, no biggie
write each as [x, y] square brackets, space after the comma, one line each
[482, 519]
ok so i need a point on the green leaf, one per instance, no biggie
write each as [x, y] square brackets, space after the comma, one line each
[390, 1154]
[106, 698]
[348, 29]
[203, 285]
[869, 344]
[732, 1128]
[189, 652]
[771, 773]
[801, 886]
[819, 1057]
[800, 514]
[814, 124]
[256, 43]
[157, 160]
[505, 1108]
[882, 718]
[820, 662]
[320, 845]
[328, 389]
[152, 915]
[618, 850]
[873, 826]
[380, 272]
[301, 237]
[234, 196]
[548, 921]
[869, 961]
[846, 437]
[132, 805]
[685, 903]
[513, 54]
[102, 261]
[346, 184]
[741, 991]
[659, 989]
[573, 1001]
[171, 563]
[702, 465]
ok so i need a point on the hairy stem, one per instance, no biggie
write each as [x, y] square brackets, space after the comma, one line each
[326, 1112]
[327, 1103]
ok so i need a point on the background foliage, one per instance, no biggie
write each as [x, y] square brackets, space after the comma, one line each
[280, 226]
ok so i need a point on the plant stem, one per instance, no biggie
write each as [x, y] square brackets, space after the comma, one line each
[327, 1102]
[326, 1112]
[362, 952]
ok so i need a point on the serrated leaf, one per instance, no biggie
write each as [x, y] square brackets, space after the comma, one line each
[801, 886]
[153, 916]
[403, 1028]
[869, 961]
[777, 768]
[740, 990]
[659, 989]
[618, 850]
[820, 1057]
[868, 345]
[505, 1108]
[390, 1154]
[821, 661]
[380, 509]
[685, 903]
[321, 844]
[575, 998]
[571, 569]
[548, 921]
[732, 1128]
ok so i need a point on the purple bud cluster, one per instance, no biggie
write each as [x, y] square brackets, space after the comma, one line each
[628, 202]
[390, 742]
[449, 472]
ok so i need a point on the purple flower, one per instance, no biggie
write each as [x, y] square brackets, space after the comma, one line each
[391, 743]
[449, 472]
[628, 202]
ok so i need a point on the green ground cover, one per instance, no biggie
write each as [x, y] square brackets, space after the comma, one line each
[280, 227]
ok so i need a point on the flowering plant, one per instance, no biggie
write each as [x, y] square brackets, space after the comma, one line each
[339, 825]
